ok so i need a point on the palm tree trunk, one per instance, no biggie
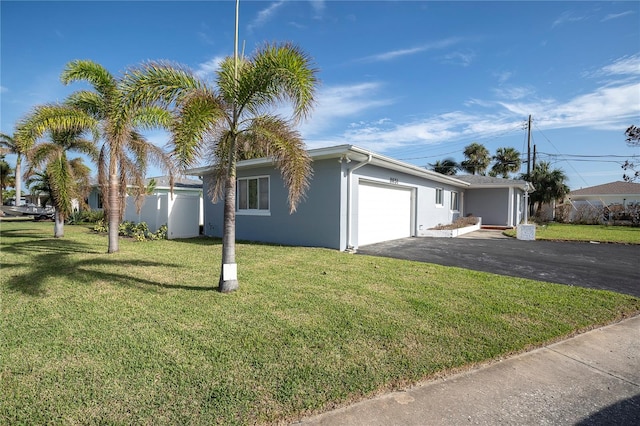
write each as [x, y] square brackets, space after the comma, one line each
[114, 213]
[58, 225]
[229, 273]
[18, 184]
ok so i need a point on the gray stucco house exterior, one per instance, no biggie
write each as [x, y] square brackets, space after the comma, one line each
[498, 201]
[356, 197]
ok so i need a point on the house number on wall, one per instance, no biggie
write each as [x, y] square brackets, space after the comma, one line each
[393, 181]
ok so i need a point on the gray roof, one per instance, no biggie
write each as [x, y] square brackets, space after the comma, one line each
[612, 188]
[488, 181]
[178, 182]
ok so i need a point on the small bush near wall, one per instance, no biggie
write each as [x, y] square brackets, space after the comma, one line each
[86, 216]
[461, 222]
[138, 231]
[588, 215]
[563, 213]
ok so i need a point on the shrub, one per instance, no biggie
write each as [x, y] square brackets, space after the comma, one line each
[86, 216]
[586, 214]
[140, 231]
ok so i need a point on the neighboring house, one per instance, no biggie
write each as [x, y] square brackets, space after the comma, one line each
[622, 193]
[184, 186]
[498, 201]
[587, 204]
[181, 211]
[355, 197]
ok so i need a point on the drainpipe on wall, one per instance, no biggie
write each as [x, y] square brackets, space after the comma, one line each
[350, 201]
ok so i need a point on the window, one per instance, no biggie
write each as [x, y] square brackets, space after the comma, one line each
[454, 200]
[439, 193]
[253, 195]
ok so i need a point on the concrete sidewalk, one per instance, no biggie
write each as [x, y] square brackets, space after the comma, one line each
[590, 379]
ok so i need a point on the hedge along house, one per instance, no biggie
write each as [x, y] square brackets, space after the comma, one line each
[356, 197]
[499, 202]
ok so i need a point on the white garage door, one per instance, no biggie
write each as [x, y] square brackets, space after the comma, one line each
[384, 213]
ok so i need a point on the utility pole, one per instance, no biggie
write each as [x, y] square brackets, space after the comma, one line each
[533, 163]
[529, 147]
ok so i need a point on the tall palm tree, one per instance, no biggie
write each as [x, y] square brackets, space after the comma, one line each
[549, 184]
[507, 160]
[237, 117]
[67, 178]
[477, 159]
[448, 167]
[125, 153]
[14, 146]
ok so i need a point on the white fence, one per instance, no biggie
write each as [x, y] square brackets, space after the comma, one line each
[181, 214]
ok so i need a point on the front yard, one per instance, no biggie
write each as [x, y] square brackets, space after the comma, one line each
[142, 337]
[595, 233]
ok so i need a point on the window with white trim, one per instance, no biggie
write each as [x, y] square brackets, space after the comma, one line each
[252, 195]
[439, 197]
[454, 201]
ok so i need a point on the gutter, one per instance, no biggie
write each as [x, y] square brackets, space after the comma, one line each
[350, 199]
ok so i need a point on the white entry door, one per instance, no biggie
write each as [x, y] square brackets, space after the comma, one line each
[384, 213]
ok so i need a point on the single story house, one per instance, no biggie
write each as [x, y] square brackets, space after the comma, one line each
[498, 201]
[588, 204]
[621, 193]
[355, 197]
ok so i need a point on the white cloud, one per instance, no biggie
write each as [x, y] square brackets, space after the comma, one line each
[605, 108]
[503, 76]
[318, 6]
[567, 17]
[617, 15]
[209, 68]
[513, 92]
[627, 65]
[340, 102]
[265, 15]
[387, 56]
[3, 89]
[460, 58]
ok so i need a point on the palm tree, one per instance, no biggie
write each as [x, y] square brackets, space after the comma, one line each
[236, 117]
[39, 187]
[477, 159]
[67, 179]
[5, 178]
[448, 167]
[507, 160]
[125, 153]
[14, 146]
[549, 184]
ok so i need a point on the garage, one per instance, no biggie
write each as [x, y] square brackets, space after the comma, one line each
[384, 213]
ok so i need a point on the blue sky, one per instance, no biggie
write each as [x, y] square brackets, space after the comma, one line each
[417, 81]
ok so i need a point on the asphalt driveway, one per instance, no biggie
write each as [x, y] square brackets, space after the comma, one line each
[614, 267]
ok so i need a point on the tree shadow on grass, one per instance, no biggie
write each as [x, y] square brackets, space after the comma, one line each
[50, 259]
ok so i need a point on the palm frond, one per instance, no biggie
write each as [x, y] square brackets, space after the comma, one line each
[278, 139]
[93, 73]
[53, 117]
[282, 73]
[160, 82]
[90, 102]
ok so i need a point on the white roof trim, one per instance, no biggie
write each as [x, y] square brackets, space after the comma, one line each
[353, 153]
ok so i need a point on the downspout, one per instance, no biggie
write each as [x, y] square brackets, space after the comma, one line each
[350, 201]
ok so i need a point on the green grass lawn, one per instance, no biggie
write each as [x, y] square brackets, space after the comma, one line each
[142, 337]
[600, 233]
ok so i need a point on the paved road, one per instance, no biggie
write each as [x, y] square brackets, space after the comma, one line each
[614, 267]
